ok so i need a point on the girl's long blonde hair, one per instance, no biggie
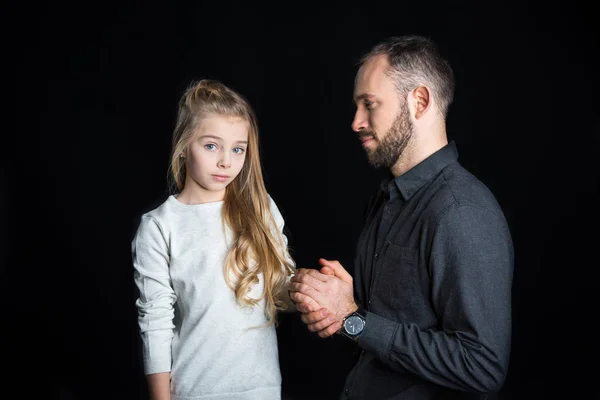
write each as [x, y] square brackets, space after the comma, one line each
[257, 246]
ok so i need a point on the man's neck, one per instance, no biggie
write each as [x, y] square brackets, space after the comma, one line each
[421, 146]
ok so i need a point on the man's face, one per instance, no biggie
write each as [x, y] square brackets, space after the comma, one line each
[382, 119]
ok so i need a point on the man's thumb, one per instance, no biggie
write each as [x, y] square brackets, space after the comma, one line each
[337, 269]
[327, 271]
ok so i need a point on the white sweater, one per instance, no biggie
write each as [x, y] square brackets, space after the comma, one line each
[190, 322]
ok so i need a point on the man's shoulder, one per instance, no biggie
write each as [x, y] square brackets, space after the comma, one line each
[458, 187]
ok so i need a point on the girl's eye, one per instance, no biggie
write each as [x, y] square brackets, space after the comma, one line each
[210, 146]
[238, 150]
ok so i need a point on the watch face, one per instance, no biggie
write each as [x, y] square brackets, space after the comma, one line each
[354, 325]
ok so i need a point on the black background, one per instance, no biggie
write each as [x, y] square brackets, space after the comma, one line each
[96, 87]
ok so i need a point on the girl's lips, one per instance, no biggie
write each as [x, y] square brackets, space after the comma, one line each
[220, 178]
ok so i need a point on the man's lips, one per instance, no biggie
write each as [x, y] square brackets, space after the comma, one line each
[365, 140]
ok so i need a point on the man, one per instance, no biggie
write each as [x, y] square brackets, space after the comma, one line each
[429, 305]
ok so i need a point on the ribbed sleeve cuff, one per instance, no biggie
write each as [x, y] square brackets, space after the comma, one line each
[157, 364]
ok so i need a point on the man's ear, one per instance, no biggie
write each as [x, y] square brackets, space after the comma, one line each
[421, 101]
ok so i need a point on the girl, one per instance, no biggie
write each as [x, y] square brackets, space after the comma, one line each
[211, 262]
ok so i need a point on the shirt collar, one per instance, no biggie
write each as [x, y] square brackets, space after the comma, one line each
[407, 184]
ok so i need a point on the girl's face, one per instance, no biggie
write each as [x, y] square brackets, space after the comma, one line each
[215, 156]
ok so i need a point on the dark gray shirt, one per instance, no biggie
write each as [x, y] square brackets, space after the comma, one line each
[434, 269]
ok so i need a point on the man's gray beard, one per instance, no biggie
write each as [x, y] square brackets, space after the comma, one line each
[394, 142]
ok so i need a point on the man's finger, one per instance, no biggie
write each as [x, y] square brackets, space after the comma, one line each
[304, 289]
[315, 316]
[310, 280]
[307, 307]
[322, 324]
[337, 268]
[300, 298]
[313, 273]
[302, 270]
[330, 330]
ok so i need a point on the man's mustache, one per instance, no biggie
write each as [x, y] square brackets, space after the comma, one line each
[363, 134]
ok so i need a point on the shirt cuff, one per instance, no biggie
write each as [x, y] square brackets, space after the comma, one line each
[157, 365]
[377, 335]
[157, 351]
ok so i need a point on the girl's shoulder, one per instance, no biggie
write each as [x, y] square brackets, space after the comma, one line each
[160, 210]
[154, 216]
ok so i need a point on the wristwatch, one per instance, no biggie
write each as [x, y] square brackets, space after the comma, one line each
[354, 324]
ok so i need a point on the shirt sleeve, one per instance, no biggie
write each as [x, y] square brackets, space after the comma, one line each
[156, 295]
[471, 269]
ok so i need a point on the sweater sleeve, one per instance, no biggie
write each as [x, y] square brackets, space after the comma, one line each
[280, 223]
[150, 255]
[471, 269]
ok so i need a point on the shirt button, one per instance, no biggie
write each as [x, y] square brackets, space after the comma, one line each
[376, 256]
